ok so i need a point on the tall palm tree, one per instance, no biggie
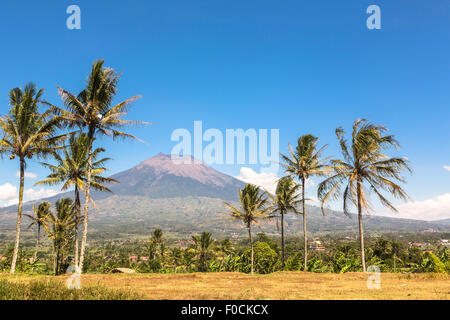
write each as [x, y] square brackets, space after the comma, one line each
[203, 245]
[71, 171]
[286, 199]
[306, 161]
[253, 206]
[157, 239]
[363, 164]
[93, 110]
[62, 230]
[27, 134]
[39, 219]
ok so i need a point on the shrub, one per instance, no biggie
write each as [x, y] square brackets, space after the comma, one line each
[431, 263]
[265, 258]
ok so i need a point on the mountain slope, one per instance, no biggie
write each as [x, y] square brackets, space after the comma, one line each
[160, 177]
[186, 198]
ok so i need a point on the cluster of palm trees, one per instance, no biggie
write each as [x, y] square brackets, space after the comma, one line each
[67, 135]
[363, 168]
[60, 228]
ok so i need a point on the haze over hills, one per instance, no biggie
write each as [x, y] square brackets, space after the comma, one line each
[188, 198]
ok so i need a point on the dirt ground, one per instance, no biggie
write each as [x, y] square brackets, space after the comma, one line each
[278, 286]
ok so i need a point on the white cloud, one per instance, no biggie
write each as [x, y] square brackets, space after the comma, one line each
[31, 194]
[30, 175]
[264, 180]
[436, 208]
[11, 202]
[447, 168]
[7, 192]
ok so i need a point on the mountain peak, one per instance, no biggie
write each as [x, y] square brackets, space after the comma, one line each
[167, 161]
[162, 165]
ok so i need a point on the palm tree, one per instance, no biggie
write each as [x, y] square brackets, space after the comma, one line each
[285, 200]
[253, 207]
[302, 164]
[203, 244]
[92, 110]
[364, 163]
[39, 219]
[226, 246]
[71, 171]
[27, 134]
[62, 230]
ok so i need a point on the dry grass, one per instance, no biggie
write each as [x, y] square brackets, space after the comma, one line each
[279, 286]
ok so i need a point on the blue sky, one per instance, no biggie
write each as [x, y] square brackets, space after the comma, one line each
[298, 66]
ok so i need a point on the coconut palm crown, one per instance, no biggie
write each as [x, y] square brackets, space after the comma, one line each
[71, 171]
[92, 110]
[27, 134]
[364, 168]
[302, 163]
[285, 200]
[254, 206]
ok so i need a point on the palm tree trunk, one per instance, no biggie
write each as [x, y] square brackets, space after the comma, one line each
[282, 240]
[37, 241]
[394, 264]
[361, 231]
[78, 212]
[54, 259]
[86, 201]
[251, 245]
[57, 263]
[305, 241]
[19, 215]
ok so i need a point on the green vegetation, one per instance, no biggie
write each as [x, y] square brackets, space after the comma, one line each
[202, 253]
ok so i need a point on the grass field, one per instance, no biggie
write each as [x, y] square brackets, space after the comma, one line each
[280, 285]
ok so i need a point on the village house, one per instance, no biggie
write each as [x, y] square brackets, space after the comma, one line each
[317, 245]
[185, 243]
[417, 244]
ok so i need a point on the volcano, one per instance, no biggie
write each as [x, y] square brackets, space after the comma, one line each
[160, 177]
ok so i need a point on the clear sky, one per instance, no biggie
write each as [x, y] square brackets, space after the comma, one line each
[297, 66]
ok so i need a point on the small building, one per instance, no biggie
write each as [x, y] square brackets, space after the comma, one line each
[417, 244]
[444, 242]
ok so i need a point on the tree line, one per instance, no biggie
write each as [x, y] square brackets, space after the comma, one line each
[363, 168]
